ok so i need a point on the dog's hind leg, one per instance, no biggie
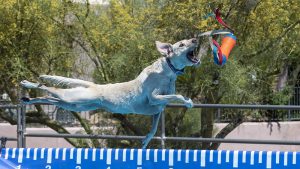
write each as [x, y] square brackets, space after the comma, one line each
[30, 85]
[41, 100]
[150, 135]
[76, 95]
[52, 90]
[50, 100]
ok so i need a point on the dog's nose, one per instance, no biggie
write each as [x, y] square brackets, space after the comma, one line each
[194, 40]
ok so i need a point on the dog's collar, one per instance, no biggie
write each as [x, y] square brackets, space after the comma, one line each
[176, 71]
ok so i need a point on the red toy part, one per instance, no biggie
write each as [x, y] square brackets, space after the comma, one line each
[219, 19]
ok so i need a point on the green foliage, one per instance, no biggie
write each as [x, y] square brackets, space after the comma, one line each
[30, 42]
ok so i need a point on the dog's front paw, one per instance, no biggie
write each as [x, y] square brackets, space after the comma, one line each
[189, 103]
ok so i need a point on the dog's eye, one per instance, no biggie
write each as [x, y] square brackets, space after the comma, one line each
[181, 45]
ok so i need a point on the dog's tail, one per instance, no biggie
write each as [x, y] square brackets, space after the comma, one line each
[64, 81]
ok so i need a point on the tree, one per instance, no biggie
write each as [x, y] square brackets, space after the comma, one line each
[31, 44]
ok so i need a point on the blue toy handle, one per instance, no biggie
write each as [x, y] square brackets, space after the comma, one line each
[216, 57]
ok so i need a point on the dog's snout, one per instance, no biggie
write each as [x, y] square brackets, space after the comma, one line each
[194, 40]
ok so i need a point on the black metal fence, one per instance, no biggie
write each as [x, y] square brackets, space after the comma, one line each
[221, 115]
[22, 134]
[163, 138]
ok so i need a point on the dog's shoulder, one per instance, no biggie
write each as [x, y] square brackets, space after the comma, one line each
[158, 67]
[157, 70]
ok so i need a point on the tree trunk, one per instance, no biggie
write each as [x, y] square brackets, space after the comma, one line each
[282, 78]
[226, 130]
[85, 125]
[207, 115]
[207, 118]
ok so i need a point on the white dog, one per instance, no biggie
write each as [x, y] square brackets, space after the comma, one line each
[148, 94]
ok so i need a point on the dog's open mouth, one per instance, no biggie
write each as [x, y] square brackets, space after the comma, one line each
[191, 56]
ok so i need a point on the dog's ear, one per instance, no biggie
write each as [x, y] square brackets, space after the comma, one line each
[164, 48]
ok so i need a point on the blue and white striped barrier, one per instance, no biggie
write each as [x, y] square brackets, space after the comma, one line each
[66, 158]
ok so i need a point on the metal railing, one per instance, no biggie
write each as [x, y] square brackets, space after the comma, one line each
[163, 138]
[20, 112]
[66, 119]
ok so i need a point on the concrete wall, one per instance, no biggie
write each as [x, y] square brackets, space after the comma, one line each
[10, 131]
[287, 131]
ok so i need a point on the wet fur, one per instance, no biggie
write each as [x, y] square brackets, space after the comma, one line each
[148, 94]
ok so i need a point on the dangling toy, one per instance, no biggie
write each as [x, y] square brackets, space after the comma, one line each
[221, 53]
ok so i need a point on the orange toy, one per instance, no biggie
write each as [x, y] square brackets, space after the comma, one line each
[228, 42]
[221, 53]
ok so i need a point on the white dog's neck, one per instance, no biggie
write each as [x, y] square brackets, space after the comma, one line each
[173, 67]
[177, 63]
